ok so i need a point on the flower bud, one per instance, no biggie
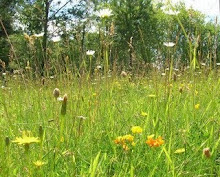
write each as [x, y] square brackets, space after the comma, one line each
[56, 93]
[206, 152]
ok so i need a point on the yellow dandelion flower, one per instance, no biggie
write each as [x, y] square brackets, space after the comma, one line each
[26, 139]
[38, 163]
[197, 106]
[144, 114]
[136, 129]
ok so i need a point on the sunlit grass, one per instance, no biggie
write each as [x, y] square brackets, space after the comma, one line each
[183, 116]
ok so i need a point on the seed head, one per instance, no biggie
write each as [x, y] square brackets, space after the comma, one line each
[206, 152]
[56, 93]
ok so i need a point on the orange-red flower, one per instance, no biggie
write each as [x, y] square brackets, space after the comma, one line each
[154, 142]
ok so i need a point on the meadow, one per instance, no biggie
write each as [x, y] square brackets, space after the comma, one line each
[120, 125]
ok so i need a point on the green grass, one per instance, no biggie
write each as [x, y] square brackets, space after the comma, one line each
[111, 107]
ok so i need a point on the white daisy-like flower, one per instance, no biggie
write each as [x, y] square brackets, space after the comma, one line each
[90, 52]
[60, 99]
[169, 44]
[39, 35]
[103, 13]
[56, 39]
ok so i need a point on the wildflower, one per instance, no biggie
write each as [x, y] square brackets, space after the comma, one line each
[56, 39]
[104, 13]
[26, 140]
[129, 138]
[218, 64]
[154, 142]
[38, 163]
[124, 74]
[206, 152]
[60, 99]
[136, 129]
[56, 93]
[119, 140]
[179, 151]
[169, 44]
[125, 147]
[39, 35]
[144, 114]
[133, 144]
[197, 106]
[90, 52]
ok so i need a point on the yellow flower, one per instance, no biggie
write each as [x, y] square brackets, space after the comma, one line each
[144, 114]
[154, 142]
[26, 139]
[197, 106]
[129, 138]
[133, 144]
[136, 129]
[119, 140]
[125, 147]
[179, 151]
[38, 163]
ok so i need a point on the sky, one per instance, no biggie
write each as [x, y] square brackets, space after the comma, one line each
[208, 7]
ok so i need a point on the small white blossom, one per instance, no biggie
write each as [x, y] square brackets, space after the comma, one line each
[104, 13]
[218, 64]
[56, 39]
[90, 52]
[169, 44]
[39, 35]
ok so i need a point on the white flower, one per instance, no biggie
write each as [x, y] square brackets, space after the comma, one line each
[56, 39]
[60, 99]
[39, 35]
[218, 64]
[169, 44]
[90, 52]
[105, 13]
[3, 74]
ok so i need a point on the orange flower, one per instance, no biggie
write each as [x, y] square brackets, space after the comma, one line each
[154, 142]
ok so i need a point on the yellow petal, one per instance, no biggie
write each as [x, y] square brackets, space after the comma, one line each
[179, 151]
